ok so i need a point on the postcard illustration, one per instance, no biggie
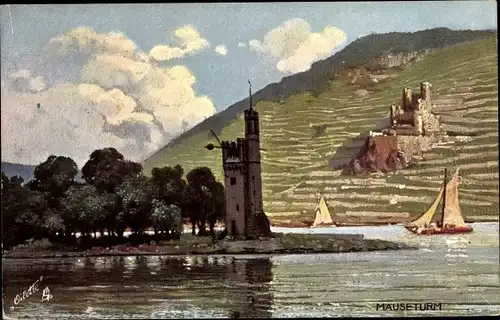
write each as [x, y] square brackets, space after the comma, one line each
[249, 160]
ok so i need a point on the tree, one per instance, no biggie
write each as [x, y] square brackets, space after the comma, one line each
[217, 211]
[106, 169]
[202, 199]
[85, 209]
[53, 177]
[53, 223]
[192, 202]
[22, 211]
[136, 197]
[167, 218]
[169, 184]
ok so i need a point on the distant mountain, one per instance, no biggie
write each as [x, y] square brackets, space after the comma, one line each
[15, 169]
[25, 171]
[365, 51]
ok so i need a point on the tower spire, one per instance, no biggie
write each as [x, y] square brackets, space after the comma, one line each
[250, 93]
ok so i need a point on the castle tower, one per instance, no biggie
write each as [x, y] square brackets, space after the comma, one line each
[417, 120]
[407, 99]
[254, 184]
[234, 181]
[425, 92]
[245, 216]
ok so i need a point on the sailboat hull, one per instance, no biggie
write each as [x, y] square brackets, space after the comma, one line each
[437, 230]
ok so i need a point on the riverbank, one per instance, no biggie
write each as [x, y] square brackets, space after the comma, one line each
[368, 221]
[190, 245]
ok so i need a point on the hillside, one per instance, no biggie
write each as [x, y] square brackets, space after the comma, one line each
[366, 50]
[297, 167]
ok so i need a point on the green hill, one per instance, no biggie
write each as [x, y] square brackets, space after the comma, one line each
[363, 51]
[297, 165]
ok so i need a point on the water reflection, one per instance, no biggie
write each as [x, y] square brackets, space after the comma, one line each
[255, 296]
[138, 286]
[460, 271]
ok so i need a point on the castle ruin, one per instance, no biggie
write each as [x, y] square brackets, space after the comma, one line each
[413, 123]
[415, 116]
[245, 217]
[413, 128]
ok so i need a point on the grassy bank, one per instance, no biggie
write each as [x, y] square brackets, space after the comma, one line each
[190, 245]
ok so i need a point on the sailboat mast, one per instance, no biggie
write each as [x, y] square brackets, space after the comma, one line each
[444, 199]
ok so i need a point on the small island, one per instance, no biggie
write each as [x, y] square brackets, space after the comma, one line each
[192, 245]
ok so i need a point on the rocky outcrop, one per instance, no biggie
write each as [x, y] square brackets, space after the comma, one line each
[378, 154]
[399, 59]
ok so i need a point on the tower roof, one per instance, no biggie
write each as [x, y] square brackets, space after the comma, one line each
[250, 94]
[250, 113]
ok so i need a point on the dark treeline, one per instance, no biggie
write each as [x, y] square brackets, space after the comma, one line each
[115, 196]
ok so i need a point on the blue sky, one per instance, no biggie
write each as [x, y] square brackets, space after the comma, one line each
[231, 23]
[27, 29]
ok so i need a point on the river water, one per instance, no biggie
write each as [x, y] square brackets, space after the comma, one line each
[461, 272]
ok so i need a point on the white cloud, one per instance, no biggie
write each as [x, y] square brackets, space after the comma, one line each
[85, 38]
[23, 81]
[116, 98]
[242, 44]
[70, 121]
[294, 47]
[221, 49]
[189, 41]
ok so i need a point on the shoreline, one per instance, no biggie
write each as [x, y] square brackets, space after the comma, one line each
[281, 244]
[363, 223]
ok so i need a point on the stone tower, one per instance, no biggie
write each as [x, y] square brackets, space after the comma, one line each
[407, 98]
[245, 216]
[425, 92]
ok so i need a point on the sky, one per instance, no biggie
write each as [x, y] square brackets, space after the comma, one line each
[76, 78]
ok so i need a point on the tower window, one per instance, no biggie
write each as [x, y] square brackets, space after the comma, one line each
[237, 207]
[253, 178]
[254, 192]
[233, 181]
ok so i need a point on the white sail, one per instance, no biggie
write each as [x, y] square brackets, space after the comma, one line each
[425, 219]
[452, 212]
[322, 214]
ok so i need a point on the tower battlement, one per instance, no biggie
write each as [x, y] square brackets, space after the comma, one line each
[251, 114]
[414, 115]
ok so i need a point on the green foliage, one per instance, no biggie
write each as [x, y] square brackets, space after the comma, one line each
[168, 184]
[136, 196]
[85, 206]
[53, 222]
[22, 211]
[107, 169]
[167, 218]
[116, 197]
[319, 129]
[53, 177]
[204, 199]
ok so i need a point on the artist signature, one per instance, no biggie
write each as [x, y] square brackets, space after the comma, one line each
[46, 295]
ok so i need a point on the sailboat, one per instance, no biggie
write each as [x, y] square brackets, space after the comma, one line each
[451, 220]
[322, 215]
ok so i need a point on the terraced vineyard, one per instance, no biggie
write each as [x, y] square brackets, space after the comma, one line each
[297, 166]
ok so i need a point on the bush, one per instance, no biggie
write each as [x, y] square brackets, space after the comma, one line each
[34, 245]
